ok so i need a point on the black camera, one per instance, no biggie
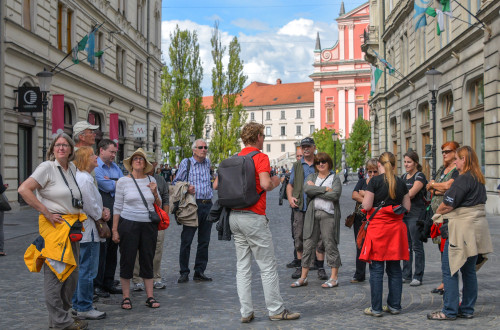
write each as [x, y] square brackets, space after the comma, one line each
[77, 203]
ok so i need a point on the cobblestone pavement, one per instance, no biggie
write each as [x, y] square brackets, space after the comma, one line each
[215, 305]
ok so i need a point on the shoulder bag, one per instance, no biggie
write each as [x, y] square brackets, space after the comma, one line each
[4, 203]
[102, 229]
[164, 218]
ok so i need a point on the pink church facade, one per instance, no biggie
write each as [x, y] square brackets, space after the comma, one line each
[341, 75]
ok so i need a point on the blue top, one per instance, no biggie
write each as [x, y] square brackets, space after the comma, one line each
[112, 172]
[307, 170]
[199, 177]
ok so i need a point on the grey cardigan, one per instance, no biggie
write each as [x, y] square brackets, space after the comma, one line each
[315, 191]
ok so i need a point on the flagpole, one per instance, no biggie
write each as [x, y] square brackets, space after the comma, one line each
[458, 3]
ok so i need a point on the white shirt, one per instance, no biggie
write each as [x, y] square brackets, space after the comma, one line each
[128, 202]
[320, 203]
[55, 194]
[92, 206]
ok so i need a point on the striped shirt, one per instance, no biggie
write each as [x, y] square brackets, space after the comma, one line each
[199, 177]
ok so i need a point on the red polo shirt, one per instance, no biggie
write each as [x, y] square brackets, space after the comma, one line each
[261, 161]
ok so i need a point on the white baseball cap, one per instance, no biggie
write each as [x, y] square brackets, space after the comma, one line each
[81, 126]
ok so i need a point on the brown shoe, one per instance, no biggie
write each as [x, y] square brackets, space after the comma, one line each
[247, 319]
[285, 315]
[77, 325]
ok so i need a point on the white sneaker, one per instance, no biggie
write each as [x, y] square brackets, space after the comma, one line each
[159, 285]
[415, 282]
[92, 314]
[139, 286]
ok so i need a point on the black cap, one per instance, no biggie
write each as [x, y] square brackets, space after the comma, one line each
[308, 141]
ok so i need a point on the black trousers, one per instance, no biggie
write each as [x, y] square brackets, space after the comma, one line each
[137, 236]
[108, 254]
[360, 265]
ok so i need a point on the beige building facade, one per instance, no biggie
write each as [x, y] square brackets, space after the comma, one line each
[37, 34]
[468, 100]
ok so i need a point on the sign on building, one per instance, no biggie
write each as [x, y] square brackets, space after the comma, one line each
[29, 99]
[140, 130]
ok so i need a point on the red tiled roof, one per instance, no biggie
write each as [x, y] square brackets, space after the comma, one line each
[261, 94]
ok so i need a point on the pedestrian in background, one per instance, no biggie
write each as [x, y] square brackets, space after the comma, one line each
[253, 237]
[295, 263]
[132, 227]
[323, 190]
[415, 181]
[107, 174]
[357, 195]
[445, 176]
[463, 208]
[200, 185]
[386, 241]
[3, 187]
[85, 162]
[160, 239]
[59, 202]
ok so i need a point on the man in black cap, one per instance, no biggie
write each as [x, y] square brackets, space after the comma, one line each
[297, 199]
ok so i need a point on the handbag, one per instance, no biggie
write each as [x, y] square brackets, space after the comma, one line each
[164, 218]
[349, 221]
[360, 239]
[102, 229]
[4, 203]
[153, 216]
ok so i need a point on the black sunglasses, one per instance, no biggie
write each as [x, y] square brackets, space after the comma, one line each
[446, 151]
[321, 162]
[202, 147]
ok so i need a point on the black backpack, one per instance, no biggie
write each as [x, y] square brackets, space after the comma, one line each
[237, 187]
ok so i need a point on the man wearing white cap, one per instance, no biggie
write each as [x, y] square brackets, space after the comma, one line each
[84, 134]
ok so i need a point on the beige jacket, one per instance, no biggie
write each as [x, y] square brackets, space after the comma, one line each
[187, 213]
[468, 234]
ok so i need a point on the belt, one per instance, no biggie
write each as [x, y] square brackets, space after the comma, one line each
[204, 201]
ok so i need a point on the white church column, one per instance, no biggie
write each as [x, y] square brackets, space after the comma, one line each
[351, 41]
[317, 109]
[341, 41]
[342, 111]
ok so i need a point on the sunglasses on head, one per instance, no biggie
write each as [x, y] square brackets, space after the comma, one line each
[202, 147]
[445, 152]
[322, 162]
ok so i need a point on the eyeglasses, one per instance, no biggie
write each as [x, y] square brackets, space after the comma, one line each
[61, 145]
[306, 146]
[321, 162]
[202, 147]
[374, 172]
[138, 158]
[445, 152]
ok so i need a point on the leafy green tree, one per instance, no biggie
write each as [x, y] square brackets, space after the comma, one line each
[226, 87]
[324, 143]
[182, 108]
[358, 145]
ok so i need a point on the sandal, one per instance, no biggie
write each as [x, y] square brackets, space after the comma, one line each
[126, 302]
[151, 301]
[439, 316]
[331, 283]
[298, 283]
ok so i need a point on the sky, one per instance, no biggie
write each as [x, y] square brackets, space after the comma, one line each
[277, 37]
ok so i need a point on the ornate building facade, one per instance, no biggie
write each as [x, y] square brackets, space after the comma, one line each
[124, 83]
[341, 74]
[467, 54]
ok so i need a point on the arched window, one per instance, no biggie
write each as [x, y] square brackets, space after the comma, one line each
[68, 119]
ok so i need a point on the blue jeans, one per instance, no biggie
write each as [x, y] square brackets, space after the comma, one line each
[393, 270]
[204, 230]
[451, 304]
[416, 248]
[89, 262]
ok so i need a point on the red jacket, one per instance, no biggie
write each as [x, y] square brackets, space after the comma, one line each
[386, 237]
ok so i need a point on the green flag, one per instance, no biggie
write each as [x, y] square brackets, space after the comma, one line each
[82, 43]
[376, 74]
[446, 5]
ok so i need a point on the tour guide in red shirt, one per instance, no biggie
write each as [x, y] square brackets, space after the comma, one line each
[253, 237]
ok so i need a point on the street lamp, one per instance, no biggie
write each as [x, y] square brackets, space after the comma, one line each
[433, 81]
[44, 80]
[335, 137]
[208, 127]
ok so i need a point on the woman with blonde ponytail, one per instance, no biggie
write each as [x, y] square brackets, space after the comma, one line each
[386, 242]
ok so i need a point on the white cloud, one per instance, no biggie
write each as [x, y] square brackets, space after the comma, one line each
[253, 24]
[286, 53]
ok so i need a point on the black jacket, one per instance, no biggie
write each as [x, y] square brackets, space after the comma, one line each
[220, 215]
